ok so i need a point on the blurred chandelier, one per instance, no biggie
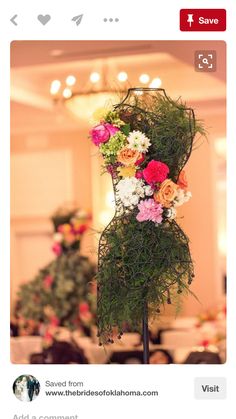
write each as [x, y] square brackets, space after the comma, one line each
[97, 92]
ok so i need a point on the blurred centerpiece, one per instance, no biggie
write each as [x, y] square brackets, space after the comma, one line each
[63, 294]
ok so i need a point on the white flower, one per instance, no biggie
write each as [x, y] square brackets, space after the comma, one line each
[138, 141]
[140, 190]
[134, 199]
[81, 214]
[130, 190]
[148, 190]
[170, 213]
[182, 197]
[58, 237]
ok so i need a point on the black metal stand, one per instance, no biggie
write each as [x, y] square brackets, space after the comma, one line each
[145, 336]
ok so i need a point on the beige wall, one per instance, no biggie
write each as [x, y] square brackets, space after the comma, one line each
[201, 219]
[60, 173]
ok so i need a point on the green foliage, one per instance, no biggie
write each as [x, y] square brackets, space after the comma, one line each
[126, 129]
[113, 118]
[71, 285]
[170, 126]
[110, 149]
[141, 264]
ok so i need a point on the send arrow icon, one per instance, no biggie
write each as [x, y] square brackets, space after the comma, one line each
[77, 19]
[13, 20]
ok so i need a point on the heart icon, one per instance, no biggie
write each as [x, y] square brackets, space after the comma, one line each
[44, 19]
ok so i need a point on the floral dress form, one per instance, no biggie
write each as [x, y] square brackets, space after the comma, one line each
[141, 263]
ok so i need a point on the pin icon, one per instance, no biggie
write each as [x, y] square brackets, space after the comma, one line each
[77, 19]
[190, 20]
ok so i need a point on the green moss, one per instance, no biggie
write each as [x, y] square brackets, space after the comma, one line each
[141, 264]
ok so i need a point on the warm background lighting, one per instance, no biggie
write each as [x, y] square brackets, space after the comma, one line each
[55, 87]
[144, 78]
[94, 77]
[70, 80]
[122, 76]
[67, 93]
[155, 82]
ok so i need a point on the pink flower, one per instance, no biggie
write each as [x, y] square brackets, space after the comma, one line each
[155, 172]
[48, 280]
[84, 313]
[139, 161]
[81, 229]
[139, 174]
[54, 321]
[83, 308]
[48, 337]
[111, 169]
[102, 132]
[149, 210]
[111, 128]
[57, 249]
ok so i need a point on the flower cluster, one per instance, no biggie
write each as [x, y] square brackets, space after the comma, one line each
[142, 183]
[130, 190]
[68, 234]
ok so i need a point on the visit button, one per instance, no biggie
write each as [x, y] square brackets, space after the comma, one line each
[203, 20]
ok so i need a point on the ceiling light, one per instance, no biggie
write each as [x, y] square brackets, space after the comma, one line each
[82, 106]
[70, 80]
[67, 93]
[94, 77]
[155, 82]
[144, 78]
[55, 87]
[122, 76]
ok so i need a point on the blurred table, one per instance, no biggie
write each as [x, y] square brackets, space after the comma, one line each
[102, 355]
[23, 346]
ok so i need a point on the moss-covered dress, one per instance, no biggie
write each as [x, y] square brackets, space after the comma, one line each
[141, 264]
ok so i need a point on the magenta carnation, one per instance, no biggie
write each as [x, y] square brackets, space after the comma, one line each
[155, 172]
[139, 174]
[102, 132]
[57, 249]
[48, 281]
[149, 210]
[54, 321]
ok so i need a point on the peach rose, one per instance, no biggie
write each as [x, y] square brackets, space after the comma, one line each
[166, 193]
[128, 157]
[182, 180]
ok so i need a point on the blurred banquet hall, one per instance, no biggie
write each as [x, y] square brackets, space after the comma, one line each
[55, 88]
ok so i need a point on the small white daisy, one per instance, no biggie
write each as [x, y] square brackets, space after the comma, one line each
[138, 141]
[148, 190]
[131, 190]
[171, 213]
[182, 197]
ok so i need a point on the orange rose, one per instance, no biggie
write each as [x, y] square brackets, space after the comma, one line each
[69, 238]
[166, 193]
[128, 157]
[182, 180]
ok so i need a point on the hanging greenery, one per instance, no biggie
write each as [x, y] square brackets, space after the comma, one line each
[144, 256]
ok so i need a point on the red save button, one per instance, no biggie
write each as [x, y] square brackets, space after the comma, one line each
[203, 20]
